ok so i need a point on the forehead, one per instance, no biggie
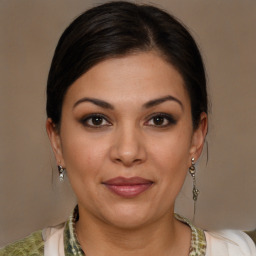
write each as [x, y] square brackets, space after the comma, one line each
[137, 76]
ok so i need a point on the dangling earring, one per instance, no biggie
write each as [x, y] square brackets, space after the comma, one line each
[195, 191]
[61, 173]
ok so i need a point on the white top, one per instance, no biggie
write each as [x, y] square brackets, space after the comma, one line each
[219, 243]
[229, 243]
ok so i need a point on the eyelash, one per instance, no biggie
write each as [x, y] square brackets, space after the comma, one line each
[166, 118]
[86, 119]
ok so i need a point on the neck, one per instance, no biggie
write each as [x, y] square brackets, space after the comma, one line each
[166, 236]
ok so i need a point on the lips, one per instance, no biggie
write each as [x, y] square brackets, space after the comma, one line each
[128, 187]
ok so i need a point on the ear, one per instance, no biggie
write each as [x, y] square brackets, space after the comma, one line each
[199, 137]
[54, 137]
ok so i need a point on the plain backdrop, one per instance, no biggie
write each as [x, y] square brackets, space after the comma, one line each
[31, 196]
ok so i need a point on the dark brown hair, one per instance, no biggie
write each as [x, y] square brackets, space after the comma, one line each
[116, 29]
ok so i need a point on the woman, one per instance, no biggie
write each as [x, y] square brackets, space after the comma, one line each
[127, 118]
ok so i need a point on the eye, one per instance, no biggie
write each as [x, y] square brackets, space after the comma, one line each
[161, 120]
[95, 121]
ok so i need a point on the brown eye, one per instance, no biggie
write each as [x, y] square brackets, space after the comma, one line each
[161, 120]
[95, 121]
[158, 120]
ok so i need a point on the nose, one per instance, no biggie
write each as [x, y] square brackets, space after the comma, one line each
[128, 147]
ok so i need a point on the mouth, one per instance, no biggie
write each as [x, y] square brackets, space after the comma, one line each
[128, 187]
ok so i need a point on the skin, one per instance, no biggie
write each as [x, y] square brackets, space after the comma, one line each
[130, 140]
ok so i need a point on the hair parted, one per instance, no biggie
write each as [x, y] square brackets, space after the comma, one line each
[116, 29]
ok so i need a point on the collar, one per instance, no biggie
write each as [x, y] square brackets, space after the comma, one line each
[72, 246]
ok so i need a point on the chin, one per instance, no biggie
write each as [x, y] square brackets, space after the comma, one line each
[127, 216]
[128, 222]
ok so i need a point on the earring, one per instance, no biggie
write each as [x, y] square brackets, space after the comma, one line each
[61, 172]
[195, 191]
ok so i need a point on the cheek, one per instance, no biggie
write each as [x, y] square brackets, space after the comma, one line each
[83, 155]
[172, 151]
[170, 157]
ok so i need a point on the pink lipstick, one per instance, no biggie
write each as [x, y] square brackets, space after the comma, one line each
[128, 187]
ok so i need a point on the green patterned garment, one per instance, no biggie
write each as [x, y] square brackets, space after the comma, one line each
[33, 245]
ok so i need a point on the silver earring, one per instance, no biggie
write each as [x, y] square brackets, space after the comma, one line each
[61, 172]
[195, 190]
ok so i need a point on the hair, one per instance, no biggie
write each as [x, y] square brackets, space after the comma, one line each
[116, 29]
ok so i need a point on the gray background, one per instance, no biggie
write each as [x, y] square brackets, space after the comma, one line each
[30, 194]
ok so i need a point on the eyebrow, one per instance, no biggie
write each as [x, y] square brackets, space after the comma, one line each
[158, 101]
[97, 102]
[149, 104]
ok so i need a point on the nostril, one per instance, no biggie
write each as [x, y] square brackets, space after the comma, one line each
[128, 148]
[128, 161]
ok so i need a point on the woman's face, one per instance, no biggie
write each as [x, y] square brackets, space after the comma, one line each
[127, 139]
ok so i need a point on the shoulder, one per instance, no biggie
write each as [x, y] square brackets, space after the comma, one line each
[229, 242]
[31, 245]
